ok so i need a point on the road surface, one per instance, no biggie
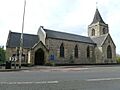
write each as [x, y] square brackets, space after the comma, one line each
[92, 78]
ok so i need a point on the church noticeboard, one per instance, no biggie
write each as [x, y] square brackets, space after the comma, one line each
[52, 57]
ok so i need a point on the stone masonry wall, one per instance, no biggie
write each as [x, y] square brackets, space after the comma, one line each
[54, 49]
[11, 51]
[108, 42]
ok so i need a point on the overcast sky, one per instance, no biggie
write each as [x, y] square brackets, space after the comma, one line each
[72, 16]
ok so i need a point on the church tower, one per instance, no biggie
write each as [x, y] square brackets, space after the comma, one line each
[98, 27]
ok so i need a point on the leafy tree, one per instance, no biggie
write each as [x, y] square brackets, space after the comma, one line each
[2, 54]
[118, 58]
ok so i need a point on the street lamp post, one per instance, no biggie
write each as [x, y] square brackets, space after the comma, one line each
[21, 38]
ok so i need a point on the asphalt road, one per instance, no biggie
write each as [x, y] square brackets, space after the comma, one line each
[93, 78]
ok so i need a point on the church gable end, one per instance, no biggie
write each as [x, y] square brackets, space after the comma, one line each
[108, 40]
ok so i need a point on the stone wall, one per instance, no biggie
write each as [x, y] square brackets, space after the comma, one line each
[99, 28]
[11, 51]
[38, 46]
[101, 52]
[99, 56]
[108, 42]
[54, 49]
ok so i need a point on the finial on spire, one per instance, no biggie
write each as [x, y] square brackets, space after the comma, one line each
[96, 4]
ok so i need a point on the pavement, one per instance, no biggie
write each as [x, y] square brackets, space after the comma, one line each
[45, 68]
[57, 68]
[53, 68]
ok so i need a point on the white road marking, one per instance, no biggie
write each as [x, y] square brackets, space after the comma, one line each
[41, 82]
[103, 79]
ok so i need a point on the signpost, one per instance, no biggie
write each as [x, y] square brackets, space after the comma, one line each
[21, 39]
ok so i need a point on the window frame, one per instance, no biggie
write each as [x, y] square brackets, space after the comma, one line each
[93, 32]
[109, 52]
[76, 55]
[88, 52]
[62, 50]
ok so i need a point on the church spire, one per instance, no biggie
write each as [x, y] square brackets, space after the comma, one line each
[97, 17]
[98, 27]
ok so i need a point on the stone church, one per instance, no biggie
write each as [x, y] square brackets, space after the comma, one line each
[65, 48]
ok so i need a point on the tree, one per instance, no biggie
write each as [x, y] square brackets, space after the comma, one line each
[2, 54]
[118, 58]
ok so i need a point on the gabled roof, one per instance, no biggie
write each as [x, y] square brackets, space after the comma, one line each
[28, 40]
[97, 17]
[68, 36]
[99, 40]
[41, 43]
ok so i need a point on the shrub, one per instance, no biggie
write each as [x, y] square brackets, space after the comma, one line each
[2, 55]
[118, 59]
[50, 64]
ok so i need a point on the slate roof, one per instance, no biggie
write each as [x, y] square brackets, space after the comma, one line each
[68, 36]
[97, 18]
[99, 40]
[28, 40]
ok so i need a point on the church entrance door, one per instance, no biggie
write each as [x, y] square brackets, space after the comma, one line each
[39, 57]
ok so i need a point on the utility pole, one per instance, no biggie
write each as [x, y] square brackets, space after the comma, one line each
[21, 38]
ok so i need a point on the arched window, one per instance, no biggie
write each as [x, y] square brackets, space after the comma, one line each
[109, 52]
[93, 32]
[104, 31]
[88, 52]
[76, 51]
[62, 50]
